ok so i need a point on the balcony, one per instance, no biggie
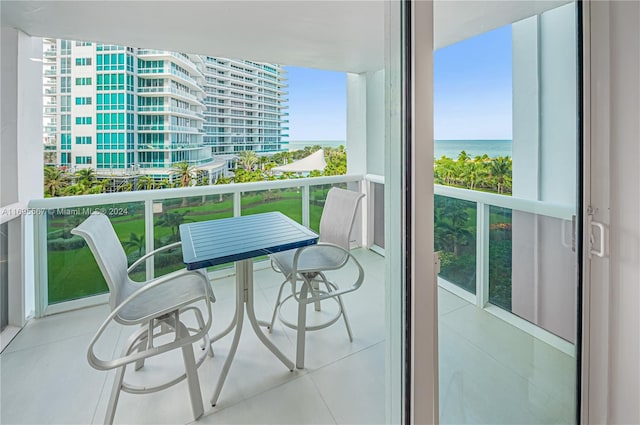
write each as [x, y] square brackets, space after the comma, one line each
[343, 382]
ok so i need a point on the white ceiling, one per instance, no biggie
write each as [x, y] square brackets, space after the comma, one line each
[344, 36]
[457, 20]
[338, 35]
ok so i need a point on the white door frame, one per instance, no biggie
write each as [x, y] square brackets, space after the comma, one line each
[422, 278]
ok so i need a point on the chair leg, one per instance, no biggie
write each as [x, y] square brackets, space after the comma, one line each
[206, 343]
[315, 287]
[277, 306]
[144, 344]
[346, 319]
[115, 395]
[302, 326]
[192, 374]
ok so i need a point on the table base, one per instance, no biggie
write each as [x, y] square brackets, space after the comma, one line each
[244, 299]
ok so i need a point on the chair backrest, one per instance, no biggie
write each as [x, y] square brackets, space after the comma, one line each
[338, 216]
[103, 242]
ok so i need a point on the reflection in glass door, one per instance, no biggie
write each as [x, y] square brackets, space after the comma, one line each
[506, 172]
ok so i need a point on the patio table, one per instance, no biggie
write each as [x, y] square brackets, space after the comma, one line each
[240, 239]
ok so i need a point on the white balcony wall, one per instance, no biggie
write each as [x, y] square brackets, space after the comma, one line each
[366, 140]
[375, 122]
[21, 152]
[366, 123]
[9, 146]
[544, 167]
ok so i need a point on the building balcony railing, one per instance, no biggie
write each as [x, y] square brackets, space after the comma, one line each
[182, 59]
[170, 147]
[158, 72]
[475, 233]
[170, 90]
[480, 235]
[143, 217]
[167, 127]
[164, 108]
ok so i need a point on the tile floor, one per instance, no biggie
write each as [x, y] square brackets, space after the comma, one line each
[490, 372]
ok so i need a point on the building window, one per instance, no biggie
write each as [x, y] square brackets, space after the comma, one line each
[65, 158]
[110, 82]
[83, 100]
[83, 120]
[65, 85]
[83, 61]
[65, 142]
[110, 121]
[65, 123]
[106, 141]
[83, 160]
[111, 160]
[83, 140]
[110, 101]
[65, 103]
[110, 62]
[83, 81]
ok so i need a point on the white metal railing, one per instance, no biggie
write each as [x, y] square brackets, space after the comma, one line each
[148, 197]
[484, 201]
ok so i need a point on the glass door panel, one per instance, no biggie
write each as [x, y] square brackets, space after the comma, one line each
[505, 220]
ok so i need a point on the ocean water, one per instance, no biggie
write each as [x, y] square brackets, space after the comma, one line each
[294, 145]
[450, 148]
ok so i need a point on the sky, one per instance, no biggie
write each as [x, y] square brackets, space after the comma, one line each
[317, 104]
[472, 93]
[472, 88]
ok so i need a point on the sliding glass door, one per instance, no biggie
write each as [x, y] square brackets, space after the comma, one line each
[506, 210]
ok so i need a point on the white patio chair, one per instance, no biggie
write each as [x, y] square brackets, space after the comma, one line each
[156, 306]
[307, 266]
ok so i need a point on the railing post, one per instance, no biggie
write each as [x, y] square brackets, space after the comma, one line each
[148, 235]
[482, 254]
[367, 213]
[237, 203]
[41, 264]
[305, 205]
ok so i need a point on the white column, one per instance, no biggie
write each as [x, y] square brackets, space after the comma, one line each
[21, 156]
[356, 123]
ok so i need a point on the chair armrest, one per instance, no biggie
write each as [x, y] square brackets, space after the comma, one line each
[151, 254]
[348, 256]
[100, 364]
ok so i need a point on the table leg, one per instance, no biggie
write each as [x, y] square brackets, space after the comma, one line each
[239, 317]
[255, 324]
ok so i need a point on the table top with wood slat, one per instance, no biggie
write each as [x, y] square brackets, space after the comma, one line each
[213, 242]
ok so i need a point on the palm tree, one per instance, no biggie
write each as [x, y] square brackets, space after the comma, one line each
[86, 175]
[248, 159]
[501, 171]
[54, 180]
[263, 161]
[124, 187]
[173, 220]
[145, 183]
[136, 242]
[184, 171]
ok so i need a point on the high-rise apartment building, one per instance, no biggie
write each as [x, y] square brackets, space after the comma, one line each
[125, 110]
